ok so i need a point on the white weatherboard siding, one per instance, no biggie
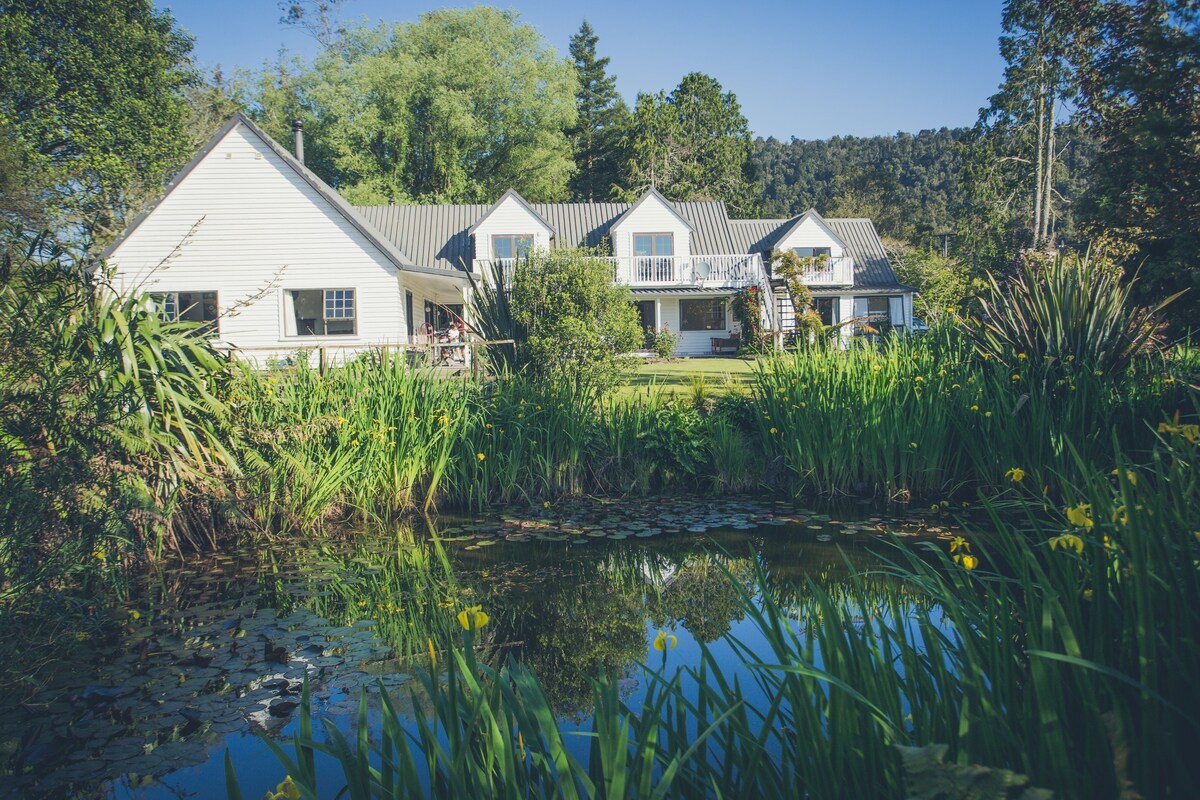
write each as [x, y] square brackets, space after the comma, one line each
[257, 228]
[811, 233]
[510, 218]
[693, 343]
[651, 217]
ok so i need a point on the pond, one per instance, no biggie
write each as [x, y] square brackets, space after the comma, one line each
[213, 651]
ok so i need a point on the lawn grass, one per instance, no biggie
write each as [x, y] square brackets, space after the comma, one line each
[720, 375]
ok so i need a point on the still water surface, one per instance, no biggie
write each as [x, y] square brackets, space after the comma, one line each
[213, 650]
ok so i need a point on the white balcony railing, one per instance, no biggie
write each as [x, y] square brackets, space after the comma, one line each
[832, 272]
[707, 272]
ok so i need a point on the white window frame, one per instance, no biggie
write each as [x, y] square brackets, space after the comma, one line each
[288, 314]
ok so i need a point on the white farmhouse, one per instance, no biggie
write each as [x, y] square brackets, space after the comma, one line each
[249, 240]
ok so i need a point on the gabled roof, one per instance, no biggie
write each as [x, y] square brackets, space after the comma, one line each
[872, 270]
[440, 236]
[871, 266]
[811, 214]
[387, 247]
[651, 192]
[520, 200]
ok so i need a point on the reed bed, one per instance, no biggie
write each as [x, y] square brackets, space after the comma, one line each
[921, 419]
[932, 419]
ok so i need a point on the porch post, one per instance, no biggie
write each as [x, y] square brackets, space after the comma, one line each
[657, 314]
[845, 313]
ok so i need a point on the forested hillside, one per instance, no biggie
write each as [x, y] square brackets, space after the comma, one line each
[908, 183]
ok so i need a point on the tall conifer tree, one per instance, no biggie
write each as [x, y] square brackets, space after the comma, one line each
[603, 116]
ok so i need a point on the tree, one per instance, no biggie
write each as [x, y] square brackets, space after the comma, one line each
[1038, 81]
[943, 281]
[1139, 76]
[92, 97]
[693, 144]
[577, 324]
[454, 108]
[602, 119]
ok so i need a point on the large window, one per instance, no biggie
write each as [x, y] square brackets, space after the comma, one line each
[654, 253]
[873, 314]
[702, 315]
[812, 252]
[505, 247]
[198, 307]
[653, 244]
[321, 312]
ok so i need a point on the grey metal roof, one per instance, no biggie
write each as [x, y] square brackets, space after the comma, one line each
[756, 235]
[435, 235]
[872, 270]
[439, 236]
[647, 290]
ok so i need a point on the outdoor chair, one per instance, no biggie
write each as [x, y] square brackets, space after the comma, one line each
[722, 344]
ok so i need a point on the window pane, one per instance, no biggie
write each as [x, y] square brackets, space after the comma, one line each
[664, 245]
[523, 243]
[643, 245]
[168, 306]
[812, 252]
[877, 305]
[198, 307]
[339, 304]
[702, 315]
[502, 247]
[306, 306]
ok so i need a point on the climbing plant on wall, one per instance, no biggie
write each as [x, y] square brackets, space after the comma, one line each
[747, 310]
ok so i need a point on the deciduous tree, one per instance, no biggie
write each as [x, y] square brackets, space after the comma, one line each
[92, 95]
[453, 108]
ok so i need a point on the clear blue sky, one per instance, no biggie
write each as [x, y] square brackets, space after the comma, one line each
[804, 68]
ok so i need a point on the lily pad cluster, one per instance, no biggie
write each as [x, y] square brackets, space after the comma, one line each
[176, 682]
[578, 522]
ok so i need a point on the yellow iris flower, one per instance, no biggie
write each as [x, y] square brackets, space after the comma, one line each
[285, 790]
[1066, 540]
[1016, 473]
[665, 641]
[473, 617]
[1080, 516]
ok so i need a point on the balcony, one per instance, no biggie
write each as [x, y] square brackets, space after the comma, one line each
[704, 272]
[832, 272]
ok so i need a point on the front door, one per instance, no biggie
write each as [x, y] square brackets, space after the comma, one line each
[646, 314]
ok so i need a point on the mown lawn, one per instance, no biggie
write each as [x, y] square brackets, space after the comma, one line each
[720, 375]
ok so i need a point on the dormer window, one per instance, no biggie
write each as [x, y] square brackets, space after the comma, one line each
[813, 252]
[509, 247]
[653, 244]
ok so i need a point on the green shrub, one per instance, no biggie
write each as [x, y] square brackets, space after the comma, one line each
[664, 342]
